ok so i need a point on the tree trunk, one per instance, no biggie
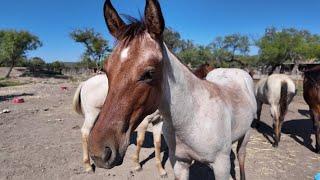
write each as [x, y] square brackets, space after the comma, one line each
[11, 67]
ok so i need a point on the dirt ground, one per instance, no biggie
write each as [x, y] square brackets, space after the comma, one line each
[40, 139]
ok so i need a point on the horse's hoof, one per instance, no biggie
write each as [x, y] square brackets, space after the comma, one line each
[137, 168]
[275, 145]
[164, 175]
[90, 169]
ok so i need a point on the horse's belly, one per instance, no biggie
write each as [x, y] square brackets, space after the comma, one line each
[203, 140]
[184, 151]
[241, 125]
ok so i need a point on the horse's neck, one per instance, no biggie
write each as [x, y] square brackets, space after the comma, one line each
[176, 72]
[178, 88]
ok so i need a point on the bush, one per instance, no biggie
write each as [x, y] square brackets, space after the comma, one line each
[36, 64]
[56, 66]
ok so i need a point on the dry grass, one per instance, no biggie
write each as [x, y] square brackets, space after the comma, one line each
[8, 82]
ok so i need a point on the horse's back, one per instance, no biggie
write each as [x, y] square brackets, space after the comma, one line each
[233, 77]
[227, 75]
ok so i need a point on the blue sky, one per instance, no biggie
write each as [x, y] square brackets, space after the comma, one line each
[200, 21]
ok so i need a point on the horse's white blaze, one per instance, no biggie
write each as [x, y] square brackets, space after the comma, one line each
[124, 54]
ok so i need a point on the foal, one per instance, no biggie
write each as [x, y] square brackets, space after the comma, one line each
[201, 119]
[277, 90]
[311, 94]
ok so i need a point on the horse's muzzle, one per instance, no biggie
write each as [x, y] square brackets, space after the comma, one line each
[109, 159]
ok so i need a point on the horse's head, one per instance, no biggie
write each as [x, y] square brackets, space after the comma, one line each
[207, 68]
[202, 71]
[134, 70]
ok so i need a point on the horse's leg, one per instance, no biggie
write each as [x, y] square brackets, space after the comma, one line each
[277, 123]
[316, 124]
[259, 108]
[157, 129]
[181, 169]
[141, 131]
[241, 153]
[85, 130]
[221, 166]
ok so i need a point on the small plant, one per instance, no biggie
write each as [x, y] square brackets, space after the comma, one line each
[6, 83]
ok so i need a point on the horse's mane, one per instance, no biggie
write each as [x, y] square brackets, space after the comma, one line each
[133, 28]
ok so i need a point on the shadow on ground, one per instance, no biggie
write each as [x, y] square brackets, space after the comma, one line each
[148, 143]
[299, 130]
[302, 128]
[197, 170]
[304, 112]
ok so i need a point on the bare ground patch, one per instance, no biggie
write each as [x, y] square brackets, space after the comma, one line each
[40, 139]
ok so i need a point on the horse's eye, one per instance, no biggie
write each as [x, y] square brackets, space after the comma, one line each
[147, 76]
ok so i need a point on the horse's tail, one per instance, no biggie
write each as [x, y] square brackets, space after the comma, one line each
[76, 103]
[283, 102]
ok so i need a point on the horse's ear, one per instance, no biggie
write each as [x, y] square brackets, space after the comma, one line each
[113, 20]
[153, 18]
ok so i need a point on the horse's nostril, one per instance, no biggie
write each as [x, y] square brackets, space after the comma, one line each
[107, 154]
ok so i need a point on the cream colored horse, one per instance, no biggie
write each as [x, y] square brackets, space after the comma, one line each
[88, 100]
[277, 90]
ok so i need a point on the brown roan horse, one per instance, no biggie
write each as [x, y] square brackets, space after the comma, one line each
[142, 86]
[121, 36]
[311, 94]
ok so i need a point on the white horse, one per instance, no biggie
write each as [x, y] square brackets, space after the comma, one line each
[201, 119]
[88, 100]
[277, 90]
